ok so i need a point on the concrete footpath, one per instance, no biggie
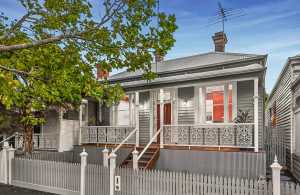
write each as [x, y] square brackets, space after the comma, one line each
[11, 190]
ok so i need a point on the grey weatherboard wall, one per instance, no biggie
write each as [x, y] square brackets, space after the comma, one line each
[186, 114]
[144, 117]
[229, 164]
[245, 101]
[282, 96]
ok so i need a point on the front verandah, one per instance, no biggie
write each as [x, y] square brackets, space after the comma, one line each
[194, 115]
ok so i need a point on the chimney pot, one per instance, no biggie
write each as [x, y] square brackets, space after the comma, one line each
[102, 73]
[159, 57]
[220, 40]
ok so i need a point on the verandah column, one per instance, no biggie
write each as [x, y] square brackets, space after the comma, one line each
[137, 122]
[256, 97]
[80, 124]
[161, 106]
[226, 98]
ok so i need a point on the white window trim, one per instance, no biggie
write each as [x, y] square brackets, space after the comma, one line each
[201, 107]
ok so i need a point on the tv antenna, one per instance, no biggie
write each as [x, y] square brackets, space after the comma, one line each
[225, 14]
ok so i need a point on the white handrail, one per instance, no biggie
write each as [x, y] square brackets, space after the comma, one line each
[150, 142]
[8, 138]
[122, 143]
[209, 124]
[119, 126]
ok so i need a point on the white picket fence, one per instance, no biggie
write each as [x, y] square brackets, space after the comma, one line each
[178, 183]
[49, 176]
[64, 178]
[90, 179]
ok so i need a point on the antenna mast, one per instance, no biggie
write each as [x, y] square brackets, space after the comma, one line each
[224, 14]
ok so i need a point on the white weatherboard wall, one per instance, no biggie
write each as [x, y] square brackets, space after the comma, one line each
[69, 134]
[52, 122]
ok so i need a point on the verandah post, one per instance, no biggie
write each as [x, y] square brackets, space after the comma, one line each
[11, 155]
[112, 169]
[161, 98]
[5, 160]
[256, 114]
[137, 122]
[276, 176]
[80, 125]
[105, 157]
[135, 154]
[83, 164]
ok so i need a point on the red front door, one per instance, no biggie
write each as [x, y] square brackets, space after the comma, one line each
[167, 114]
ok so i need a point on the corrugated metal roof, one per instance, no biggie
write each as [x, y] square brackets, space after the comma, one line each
[190, 62]
[197, 76]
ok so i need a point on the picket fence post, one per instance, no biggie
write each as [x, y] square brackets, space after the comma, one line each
[5, 162]
[105, 157]
[11, 155]
[112, 169]
[276, 176]
[135, 154]
[83, 164]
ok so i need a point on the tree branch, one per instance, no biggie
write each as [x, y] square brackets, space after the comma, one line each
[20, 72]
[14, 70]
[105, 19]
[5, 48]
[15, 26]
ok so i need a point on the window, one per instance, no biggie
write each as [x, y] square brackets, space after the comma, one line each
[71, 115]
[273, 115]
[123, 112]
[214, 104]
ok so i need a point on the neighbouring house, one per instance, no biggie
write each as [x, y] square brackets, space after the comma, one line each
[186, 115]
[283, 116]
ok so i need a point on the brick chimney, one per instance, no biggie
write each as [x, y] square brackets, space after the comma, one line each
[159, 57]
[101, 73]
[220, 40]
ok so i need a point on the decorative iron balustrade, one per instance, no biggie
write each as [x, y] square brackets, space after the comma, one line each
[106, 134]
[45, 141]
[39, 141]
[233, 135]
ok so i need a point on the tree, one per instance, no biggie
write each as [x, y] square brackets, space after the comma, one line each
[48, 57]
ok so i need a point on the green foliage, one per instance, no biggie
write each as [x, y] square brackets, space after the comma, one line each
[243, 117]
[48, 57]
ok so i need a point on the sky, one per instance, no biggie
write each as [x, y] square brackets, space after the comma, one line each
[267, 27]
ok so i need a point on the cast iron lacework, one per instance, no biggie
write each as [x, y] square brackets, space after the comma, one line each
[111, 135]
[183, 134]
[196, 135]
[245, 135]
[101, 134]
[217, 135]
[167, 134]
[105, 134]
[227, 136]
[211, 136]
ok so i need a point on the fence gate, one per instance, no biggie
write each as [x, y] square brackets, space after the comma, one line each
[274, 145]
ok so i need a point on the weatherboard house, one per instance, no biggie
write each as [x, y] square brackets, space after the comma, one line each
[283, 116]
[182, 120]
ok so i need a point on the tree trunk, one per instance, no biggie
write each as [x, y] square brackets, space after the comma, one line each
[28, 134]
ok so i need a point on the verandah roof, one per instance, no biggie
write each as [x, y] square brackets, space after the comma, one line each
[197, 76]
